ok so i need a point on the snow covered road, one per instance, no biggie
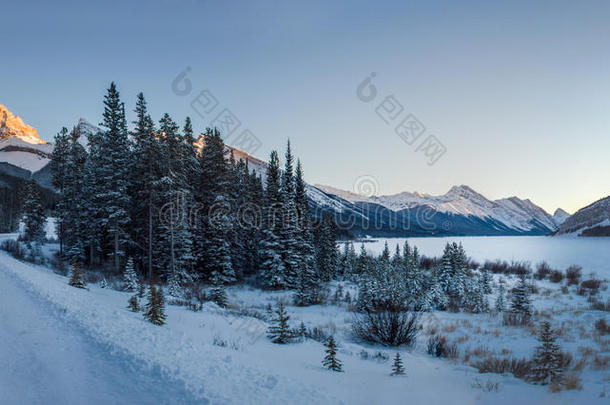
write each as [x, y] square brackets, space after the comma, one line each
[45, 360]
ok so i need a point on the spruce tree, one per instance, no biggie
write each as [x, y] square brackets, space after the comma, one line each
[273, 271]
[331, 361]
[175, 238]
[289, 229]
[214, 235]
[521, 302]
[155, 307]
[59, 172]
[77, 278]
[146, 186]
[111, 175]
[500, 304]
[34, 217]
[279, 331]
[546, 365]
[397, 367]
[130, 278]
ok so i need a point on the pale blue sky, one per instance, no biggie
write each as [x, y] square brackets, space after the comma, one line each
[517, 91]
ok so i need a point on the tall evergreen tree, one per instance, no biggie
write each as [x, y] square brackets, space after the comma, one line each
[289, 229]
[145, 191]
[273, 271]
[215, 254]
[111, 165]
[34, 216]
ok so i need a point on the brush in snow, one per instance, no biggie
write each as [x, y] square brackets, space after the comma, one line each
[134, 305]
[104, 283]
[76, 278]
[331, 361]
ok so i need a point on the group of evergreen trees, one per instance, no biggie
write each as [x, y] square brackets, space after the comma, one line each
[399, 283]
[152, 199]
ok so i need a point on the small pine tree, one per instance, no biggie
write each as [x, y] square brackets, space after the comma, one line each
[130, 277]
[331, 361]
[141, 290]
[134, 304]
[219, 296]
[280, 331]
[397, 367]
[546, 367]
[500, 305]
[302, 330]
[76, 278]
[104, 283]
[521, 302]
[155, 307]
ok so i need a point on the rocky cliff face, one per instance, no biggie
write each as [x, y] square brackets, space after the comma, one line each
[592, 220]
[13, 126]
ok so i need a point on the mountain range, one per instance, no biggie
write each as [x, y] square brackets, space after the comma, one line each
[460, 211]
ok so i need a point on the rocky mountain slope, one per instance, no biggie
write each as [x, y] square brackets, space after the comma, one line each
[460, 211]
[592, 220]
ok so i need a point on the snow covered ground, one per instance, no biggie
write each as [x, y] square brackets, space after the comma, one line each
[69, 339]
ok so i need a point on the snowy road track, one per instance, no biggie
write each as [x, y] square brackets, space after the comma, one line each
[45, 360]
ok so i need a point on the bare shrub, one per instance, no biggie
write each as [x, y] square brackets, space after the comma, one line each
[600, 362]
[573, 275]
[388, 328]
[520, 368]
[438, 346]
[556, 276]
[572, 382]
[543, 270]
[488, 386]
[580, 364]
[602, 327]
[515, 319]
[13, 248]
[590, 286]
[599, 305]
[450, 328]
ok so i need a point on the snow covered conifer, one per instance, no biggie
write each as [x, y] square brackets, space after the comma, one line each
[272, 266]
[134, 304]
[521, 302]
[34, 217]
[279, 331]
[155, 307]
[104, 283]
[546, 366]
[76, 278]
[397, 367]
[500, 305]
[331, 361]
[130, 277]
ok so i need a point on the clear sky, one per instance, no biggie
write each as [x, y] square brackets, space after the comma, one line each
[517, 91]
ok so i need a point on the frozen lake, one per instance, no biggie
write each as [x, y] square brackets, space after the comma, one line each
[592, 254]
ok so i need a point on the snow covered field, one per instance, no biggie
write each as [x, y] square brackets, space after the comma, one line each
[68, 337]
[592, 254]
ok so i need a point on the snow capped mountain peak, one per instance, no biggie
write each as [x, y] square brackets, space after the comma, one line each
[560, 216]
[510, 213]
[12, 126]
